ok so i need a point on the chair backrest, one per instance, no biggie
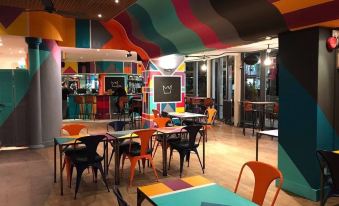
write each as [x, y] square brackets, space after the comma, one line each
[161, 121]
[331, 161]
[192, 131]
[117, 125]
[91, 143]
[248, 106]
[208, 102]
[73, 129]
[211, 114]
[120, 199]
[264, 174]
[144, 136]
[122, 101]
[156, 113]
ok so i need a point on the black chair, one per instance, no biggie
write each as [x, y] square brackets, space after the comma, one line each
[120, 199]
[116, 125]
[123, 145]
[329, 165]
[186, 145]
[89, 157]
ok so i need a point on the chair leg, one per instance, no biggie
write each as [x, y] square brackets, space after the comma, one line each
[188, 158]
[182, 159]
[156, 147]
[169, 161]
[132, 169]
[103, 175]
[154, 170]
[110, 159]
[123, 163]
[71, 174]
[80, 170]
[196, 152]
[95, 174]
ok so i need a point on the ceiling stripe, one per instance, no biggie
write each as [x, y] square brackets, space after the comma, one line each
[330, 24]
[148, 29]
[225, 31]
[286, 6]
[163, 14]
[151, 48]
[329, 11]
[255, 20]
[206, 34]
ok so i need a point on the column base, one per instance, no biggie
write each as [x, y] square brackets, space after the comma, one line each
[36, 146]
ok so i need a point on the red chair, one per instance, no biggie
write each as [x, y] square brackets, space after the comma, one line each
[264, 175]
[143, 152]
[73, 129]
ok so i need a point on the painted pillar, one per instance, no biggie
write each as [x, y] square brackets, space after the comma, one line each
[34, 102]
[306, 98]
[237, 89]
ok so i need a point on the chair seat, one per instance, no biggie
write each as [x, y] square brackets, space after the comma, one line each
[136, 151]
[81, 158]
[172, 138]
[70, 150]
[124, 146]
[183, 145]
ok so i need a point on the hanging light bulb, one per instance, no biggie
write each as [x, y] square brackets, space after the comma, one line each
[268, 60]
[204, 66]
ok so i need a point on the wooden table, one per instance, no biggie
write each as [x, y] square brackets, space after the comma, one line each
[64, 142]
[119, 136]
[190, 191]
[271, 133]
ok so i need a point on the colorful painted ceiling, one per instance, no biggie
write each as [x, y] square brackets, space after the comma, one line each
[189, 26]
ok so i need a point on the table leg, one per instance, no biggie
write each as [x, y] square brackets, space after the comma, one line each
[61, 170]
[164, 155]
[117, 163]
[105, 143]
[257, 146]
[55, 145]
[140, 197]
[203, 148]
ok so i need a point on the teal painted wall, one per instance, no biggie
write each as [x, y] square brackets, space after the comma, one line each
[306, 117]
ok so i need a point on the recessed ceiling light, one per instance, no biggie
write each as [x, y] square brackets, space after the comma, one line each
[99, 15]
[116, 1]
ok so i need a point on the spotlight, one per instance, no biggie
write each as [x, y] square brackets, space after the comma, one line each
[204, 66]
[116, 1]
[128, 54]
[100, 15]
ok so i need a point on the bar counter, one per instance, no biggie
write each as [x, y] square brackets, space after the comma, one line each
[104, 105]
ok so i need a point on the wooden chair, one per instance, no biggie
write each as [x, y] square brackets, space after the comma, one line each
[144, 152]
[264, 175]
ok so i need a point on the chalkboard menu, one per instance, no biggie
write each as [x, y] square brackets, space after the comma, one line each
[114, 82]
[167, 89]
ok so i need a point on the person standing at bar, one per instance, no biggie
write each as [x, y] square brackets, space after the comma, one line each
[65, 93]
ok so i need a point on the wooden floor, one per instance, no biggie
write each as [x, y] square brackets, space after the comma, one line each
[27, 175]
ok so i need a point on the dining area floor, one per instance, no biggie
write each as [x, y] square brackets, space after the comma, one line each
[27, 174]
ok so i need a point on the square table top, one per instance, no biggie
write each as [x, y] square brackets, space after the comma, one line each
[193, 191]
[65, 140]
[271, 133]
[185, 114]
[125, 134]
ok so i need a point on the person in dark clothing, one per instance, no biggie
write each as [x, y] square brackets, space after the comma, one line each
[65, 93]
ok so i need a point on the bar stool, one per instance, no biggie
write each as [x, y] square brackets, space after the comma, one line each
[80, 105]
[248, 108]
[92, 101]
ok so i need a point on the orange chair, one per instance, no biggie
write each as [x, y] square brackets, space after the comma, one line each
[71, 129]
[143, 152]
[264, 174]
[211, 113]
[160, 122]
[156, 113]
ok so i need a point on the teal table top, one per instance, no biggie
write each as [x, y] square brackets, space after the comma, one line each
[205, 195]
